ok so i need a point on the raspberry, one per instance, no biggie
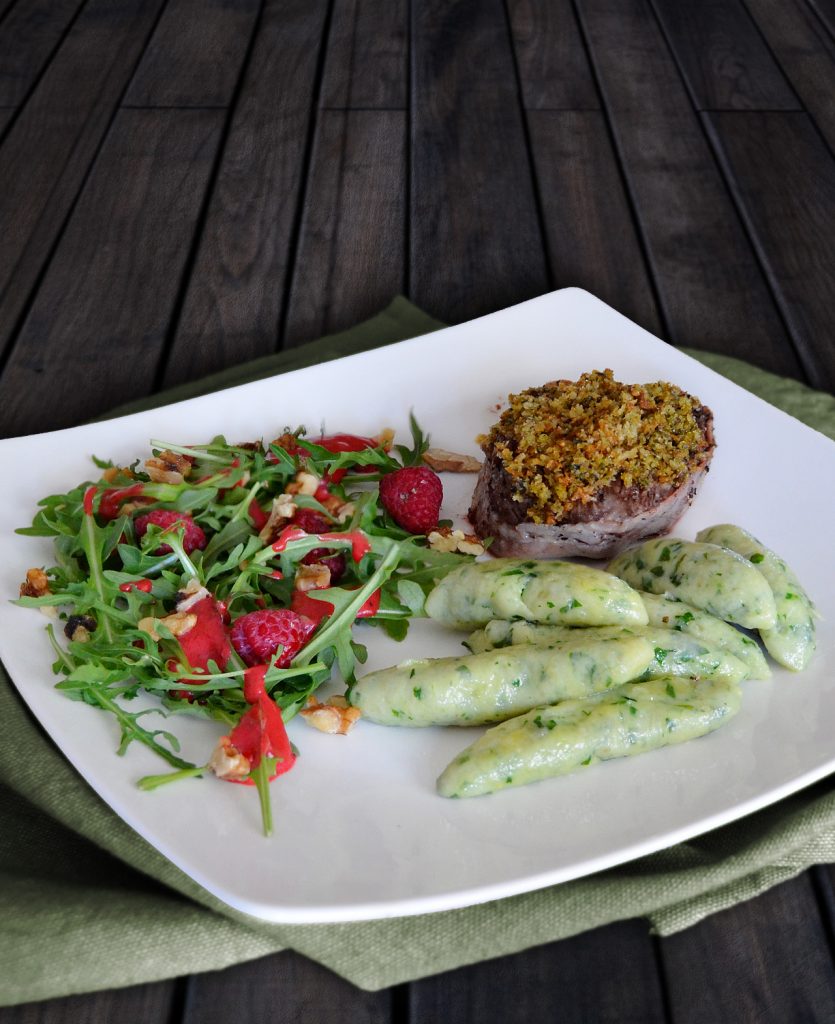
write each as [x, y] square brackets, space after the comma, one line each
[193, 536]
[310, 520]
[334, 560]
[412, 497]
[256, 636]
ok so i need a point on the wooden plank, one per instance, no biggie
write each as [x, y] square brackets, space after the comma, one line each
[806, 52]
[195, 55]
[591, 237]
[95, 332]
[725, 63]
[5, 7]
[6, 114]
[711, 289]
[475, 239]
[822, 877]
[235, 297]
[783, 177]
[50, 147]
[351, 255]
[825, 10]
[553, 69]
[151, 1004]
[368, 56]
[28, 38]
[283, 989]
[608, 974]
[763, 960]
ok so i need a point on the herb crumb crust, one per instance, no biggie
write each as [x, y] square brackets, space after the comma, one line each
[563, 442]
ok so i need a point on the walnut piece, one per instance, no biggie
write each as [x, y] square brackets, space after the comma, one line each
[445, 539]
[283, 510]
[177, 624]
[312, 577]
[36, 584]
[305, 483]
[334, 717]
[227, 762]
[168, 468]
[112, 473]
[441, 461]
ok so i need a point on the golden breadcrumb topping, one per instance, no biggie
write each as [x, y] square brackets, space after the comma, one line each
[565, 441]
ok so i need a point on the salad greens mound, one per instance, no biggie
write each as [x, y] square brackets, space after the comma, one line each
[144, 606]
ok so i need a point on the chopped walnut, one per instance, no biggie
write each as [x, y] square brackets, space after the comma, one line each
[36, 584]
[334, 717]
[227, 762]
[168, 468]
[283, 510]
[286, 441]
[305, 483]
[312, 577]
[441, 460]
[130, 507]
[112, 473]
[445, 539]
[147, 625]
[177, 624]
[337, 508]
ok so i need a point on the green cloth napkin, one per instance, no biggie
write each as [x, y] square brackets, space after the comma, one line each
[87, 904]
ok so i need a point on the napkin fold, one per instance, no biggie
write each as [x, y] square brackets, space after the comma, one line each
[87, 904]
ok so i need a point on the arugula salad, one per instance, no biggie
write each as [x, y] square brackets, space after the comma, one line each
[226, 580]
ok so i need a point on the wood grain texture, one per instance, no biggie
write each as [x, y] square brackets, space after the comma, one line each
[150, 1004]
[368, 56]
[712, 291]
[822, 879]
[806, 52]
[283, 989]
[50, 147]
[608, 974]
[825, 10]
[592, 242]
[94, 335]
[351, 254]
[195, 55]
[765, 960]
[28, 38]
[783, 177]
[476, 243]
[725, 63]
[5, 7]
[234, 303]
[553, 69]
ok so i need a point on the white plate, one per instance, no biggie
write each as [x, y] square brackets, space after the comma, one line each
[360, 832]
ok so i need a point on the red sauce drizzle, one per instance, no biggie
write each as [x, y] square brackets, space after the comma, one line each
[111, 500]
[288, 534]
[143, 585]
[360, 544]
[254, 683]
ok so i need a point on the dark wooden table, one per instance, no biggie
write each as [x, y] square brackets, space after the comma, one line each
[187, 184]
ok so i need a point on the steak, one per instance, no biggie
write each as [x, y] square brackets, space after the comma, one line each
[614, 518]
